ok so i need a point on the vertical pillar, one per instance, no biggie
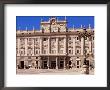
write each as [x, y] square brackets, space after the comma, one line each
[82, 46]
[90, 44]
[18, 46]
[40, 45]
[26, 49]
[65, 45]
[33, 48]
[56, 62]
[57, 45]
[48, 63]
[48, 45]
[64, 63]
[74, 46]
[39, 63]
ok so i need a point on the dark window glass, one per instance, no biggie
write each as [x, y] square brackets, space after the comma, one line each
[77, 62]
[44, 39]
[77, 51]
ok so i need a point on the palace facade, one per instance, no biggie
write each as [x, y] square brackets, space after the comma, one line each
[54, 46]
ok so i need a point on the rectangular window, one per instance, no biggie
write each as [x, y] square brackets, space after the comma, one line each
[77, 38]
[44, 51]
[36, 51]
[61, 51]
[85, 51]
[53, 51]
[30, 39]
[21, 52]
[36, 39]
[29, 57]
[70, 51]
[77, 62]
[77, 51]
[44, 39]
[69, 38]
[29, 51]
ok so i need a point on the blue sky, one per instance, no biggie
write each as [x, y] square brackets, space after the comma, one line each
[34, 21]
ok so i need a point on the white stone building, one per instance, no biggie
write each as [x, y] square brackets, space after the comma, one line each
[54, 46]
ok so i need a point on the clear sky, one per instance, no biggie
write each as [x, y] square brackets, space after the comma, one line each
[34, 21]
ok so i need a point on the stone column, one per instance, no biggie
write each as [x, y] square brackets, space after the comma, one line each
[74, 49]
[65, 45]
[26, 62]
[82, 46]
[26, 47]
[39, 63]
[57, 45]
[33, 47]
[90, 44]
[18, 46]
[40, 45]
[56, 62]
[48, 45]
[48, 63]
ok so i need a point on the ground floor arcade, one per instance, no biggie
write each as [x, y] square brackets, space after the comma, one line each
[50, 62]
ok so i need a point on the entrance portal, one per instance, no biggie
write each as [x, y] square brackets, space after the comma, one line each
[45, 65]
[61, 64]
[53, 64]
[22, 64]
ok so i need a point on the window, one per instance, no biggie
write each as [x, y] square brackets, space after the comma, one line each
[36, 57]
[53, 39]
[77, 62]
[61, 51]
[77, 38]
[21, 52]
[36, 39]
[29, 57]
[36, 51]
[77, 51]
[60, 39]
[29, 51]
[69, 38]
[44, 39]
[44, 51]
[53, 51]
[30, 39]
[85, 51]
[70, 51]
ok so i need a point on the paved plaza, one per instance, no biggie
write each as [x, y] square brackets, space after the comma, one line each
[52, 72]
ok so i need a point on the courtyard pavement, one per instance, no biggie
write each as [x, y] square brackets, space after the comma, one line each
[51, 72]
